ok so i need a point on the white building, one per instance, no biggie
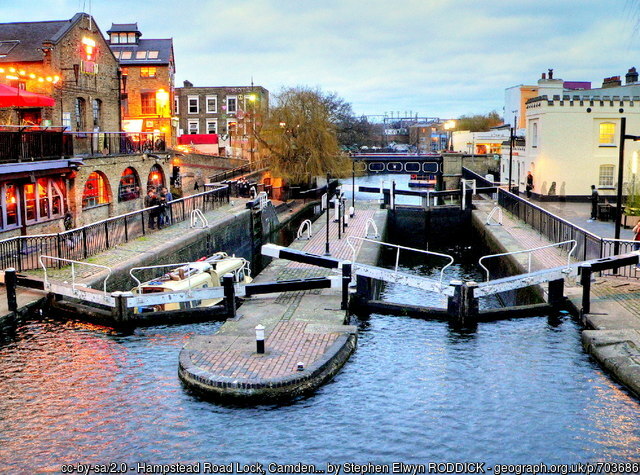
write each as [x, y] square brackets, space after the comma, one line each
[478, 143]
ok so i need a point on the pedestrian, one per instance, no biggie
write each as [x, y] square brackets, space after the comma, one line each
[594, 203]
[167, 210]
[151, 201]
[636, 236]
[529, 186]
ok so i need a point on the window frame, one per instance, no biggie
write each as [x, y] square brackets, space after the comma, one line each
[101, 197]
[213, 122]
[609, 138]
[197, 104]
[4, 208]
[53, 190]
[148, 72]
[609, 180]
[206, 101]
[190, 122]
[145, 103]
[131, 195]
[235, 110]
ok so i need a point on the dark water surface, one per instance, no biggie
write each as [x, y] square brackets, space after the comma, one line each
[414, 391]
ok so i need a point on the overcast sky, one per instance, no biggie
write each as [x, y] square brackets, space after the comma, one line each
[440, 58]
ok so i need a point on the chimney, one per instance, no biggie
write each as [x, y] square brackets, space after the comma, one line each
[632, 76]
[613, 81]
[188, 83]
[544, 75]
[550, 73]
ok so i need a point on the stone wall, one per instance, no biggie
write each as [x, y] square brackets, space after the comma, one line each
[453, 163]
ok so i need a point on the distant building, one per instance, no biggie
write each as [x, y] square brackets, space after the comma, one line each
[230, 112]
[428, 137]
[147, 86]
[480, 143]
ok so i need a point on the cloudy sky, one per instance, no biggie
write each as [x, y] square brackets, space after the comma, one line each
[439, 58]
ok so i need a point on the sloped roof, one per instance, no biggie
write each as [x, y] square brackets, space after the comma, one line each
[164, 47]
[29, 36]
[123, 28]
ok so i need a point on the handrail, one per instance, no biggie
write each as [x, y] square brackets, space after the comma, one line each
[305, 225]
[196, 215]
[73, 269]
[398, 247]
[160, 266]
[499, 220]
[375, 228]
[530, 251]
[264, 198]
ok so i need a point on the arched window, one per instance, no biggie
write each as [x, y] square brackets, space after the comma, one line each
[80, 114]
[129, 188]
[97, 112]
[96, 191]
[156, 178]
[607, 134]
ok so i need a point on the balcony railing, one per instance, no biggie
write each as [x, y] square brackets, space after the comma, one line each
[51, 143]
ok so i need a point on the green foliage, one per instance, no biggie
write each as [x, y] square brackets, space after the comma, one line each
[632, 203]
[478, 122]
[300, 135]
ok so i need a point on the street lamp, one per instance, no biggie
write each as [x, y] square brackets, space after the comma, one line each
[448, 126]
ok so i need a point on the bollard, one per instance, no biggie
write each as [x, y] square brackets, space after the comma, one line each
[229, 295]
[346, 280]
[300, 366]
[454, 303]
[116, 311]
[260, 339]
[352, 211]
[11, 281]
[585, 281]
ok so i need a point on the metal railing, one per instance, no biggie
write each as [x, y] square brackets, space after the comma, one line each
[116, 143]
[530, 253]
[23, 252]
[304, 226]
[73, 270]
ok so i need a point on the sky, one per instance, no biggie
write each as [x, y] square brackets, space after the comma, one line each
[434, 58]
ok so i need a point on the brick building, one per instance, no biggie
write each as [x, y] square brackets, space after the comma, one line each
[230, 112]
[147, 91]
[67, 60]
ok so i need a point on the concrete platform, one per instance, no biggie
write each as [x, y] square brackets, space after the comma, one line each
[305, 327]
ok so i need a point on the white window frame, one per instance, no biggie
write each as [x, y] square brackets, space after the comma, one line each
[176, 105]
[230, 121]
[606, 180]
[191, 122]
[236, 109]
[189, 99]
[215, 123]
[612, 143]
[215, 109]
[3, 208]
[534, 133]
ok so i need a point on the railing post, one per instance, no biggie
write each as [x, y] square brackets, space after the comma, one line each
[106, 233]
[585, 281]
[229, 295]
[11, 281]
[346, 280]
[126, 229]
[84, 241]
[19, 253]
[556, 292]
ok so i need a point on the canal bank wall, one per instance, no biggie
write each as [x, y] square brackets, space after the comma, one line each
[307, 328]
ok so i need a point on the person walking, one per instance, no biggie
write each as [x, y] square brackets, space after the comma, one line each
[594, 203]
[151, 201]
[529, 185]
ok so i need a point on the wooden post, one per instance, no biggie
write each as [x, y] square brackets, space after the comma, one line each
[229, 295]
[463, 306]
[346, 280]
[585, 281]
[116, 311]
[454, 303]
[556, 292]
[11, 281]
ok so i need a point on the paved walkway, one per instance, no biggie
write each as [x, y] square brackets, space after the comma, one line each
[301, 327]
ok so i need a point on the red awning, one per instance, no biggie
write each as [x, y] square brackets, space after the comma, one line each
[14, 97]
[196, 139]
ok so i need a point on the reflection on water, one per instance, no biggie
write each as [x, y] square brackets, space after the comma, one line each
[519, 391]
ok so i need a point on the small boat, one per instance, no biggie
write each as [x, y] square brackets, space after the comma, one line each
[422, 181]
[206, 272]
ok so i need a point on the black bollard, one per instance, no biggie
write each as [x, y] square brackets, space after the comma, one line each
[585, 281]
[260, 339]
[229, 295]
[346, 280]
[11, 281]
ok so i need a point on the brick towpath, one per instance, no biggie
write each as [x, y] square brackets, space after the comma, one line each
[301, 327]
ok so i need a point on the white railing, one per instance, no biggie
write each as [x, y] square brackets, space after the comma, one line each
[372, 223]
[197, 215]
[263, 199]
[398, 248]
[495, 209]
[530, 252]
[305, 226]
[163, 266]
[73, 270]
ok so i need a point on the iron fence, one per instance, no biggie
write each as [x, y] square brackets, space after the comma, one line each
[33, 144]
[23, 252]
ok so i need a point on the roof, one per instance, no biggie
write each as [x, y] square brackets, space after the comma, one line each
[123, 28]
[164, 47]
[22, 42]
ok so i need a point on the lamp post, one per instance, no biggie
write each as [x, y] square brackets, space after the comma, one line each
[326, 246]
[512, 138]
[623, 137]
[353, 185]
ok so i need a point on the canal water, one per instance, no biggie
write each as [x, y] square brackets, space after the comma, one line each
[515, 391]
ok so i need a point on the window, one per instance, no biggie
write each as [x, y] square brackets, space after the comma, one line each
[152, 55]
[212, 126]
[97, 112]
[232, 104]
[96, 191]
[176, 105]
[9, 216]
[606, 176]
[193, 127]
[148, 102]
[125, 55]
[147, 72]
[129, 187]
[212, 104]
[607, 134]
[155, 178]
[115, 38]
[232, 126]
[534, 134]
[131, 38]
[43, 200]
[141, 55]
[80, 113]
[193, 105]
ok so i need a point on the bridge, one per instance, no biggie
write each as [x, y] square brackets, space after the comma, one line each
[398, 163]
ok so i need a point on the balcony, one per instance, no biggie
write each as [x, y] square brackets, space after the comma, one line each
[21, 144]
